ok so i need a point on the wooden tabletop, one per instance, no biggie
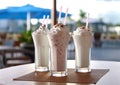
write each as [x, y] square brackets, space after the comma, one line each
[111, 78]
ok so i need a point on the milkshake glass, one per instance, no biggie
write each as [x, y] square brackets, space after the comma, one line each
[58, 40]
[41, 45]
[82, 38]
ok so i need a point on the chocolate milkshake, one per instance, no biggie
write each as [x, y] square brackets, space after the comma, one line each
[58, 40]
[41, 45]
[82, 38]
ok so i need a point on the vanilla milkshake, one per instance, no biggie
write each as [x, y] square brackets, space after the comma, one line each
[82, 38]
[58, 40]
[41, 44]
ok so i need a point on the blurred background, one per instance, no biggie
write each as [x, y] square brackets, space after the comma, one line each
[104, 22]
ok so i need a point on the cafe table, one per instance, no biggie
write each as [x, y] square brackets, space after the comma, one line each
[112, 77]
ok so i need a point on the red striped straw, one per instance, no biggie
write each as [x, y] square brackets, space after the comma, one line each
[65, 16]
[87, 20]
[43, 22]
[59, 19]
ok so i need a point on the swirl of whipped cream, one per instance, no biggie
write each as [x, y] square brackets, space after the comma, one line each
[82, 31]
[59, 34]
[59, 28]
[40, 36]
[41, 30]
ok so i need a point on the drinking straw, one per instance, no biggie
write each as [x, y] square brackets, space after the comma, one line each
[43, 20]
[65, 16]
[59, 19]
[47, 21]
[87, 20]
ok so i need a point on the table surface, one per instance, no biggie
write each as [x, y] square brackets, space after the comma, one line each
[111, 78]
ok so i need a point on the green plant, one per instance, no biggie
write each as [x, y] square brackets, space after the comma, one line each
[26, 37]
[82, 16]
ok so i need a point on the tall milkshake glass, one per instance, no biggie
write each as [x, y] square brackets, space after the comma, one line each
[41, 49]
[82, 38]
[58, 41]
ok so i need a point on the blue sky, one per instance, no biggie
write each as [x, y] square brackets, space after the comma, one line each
[109, 10]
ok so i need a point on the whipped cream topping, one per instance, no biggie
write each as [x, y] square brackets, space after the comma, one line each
[59, 34]
[59, 28]
[40, 36]
[41, 30]
[82, 31]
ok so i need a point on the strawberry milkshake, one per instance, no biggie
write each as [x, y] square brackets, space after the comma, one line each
[82, 38]
[58, 38]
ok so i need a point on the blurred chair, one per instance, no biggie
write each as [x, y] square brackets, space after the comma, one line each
[1, 63]
[3, 35]
[16, 43]
[15, 57]
[1, 43]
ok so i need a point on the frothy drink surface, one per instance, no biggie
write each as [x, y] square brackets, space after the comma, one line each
[58, 40]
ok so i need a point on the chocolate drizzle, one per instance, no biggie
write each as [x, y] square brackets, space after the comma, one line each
[83, 27]
[42, 27]
[59, 25]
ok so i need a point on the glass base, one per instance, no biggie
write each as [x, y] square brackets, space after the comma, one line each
[83, 70]
[59, 73]
[42, 69]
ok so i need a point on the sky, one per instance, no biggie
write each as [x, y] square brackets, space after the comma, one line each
[106, 9]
